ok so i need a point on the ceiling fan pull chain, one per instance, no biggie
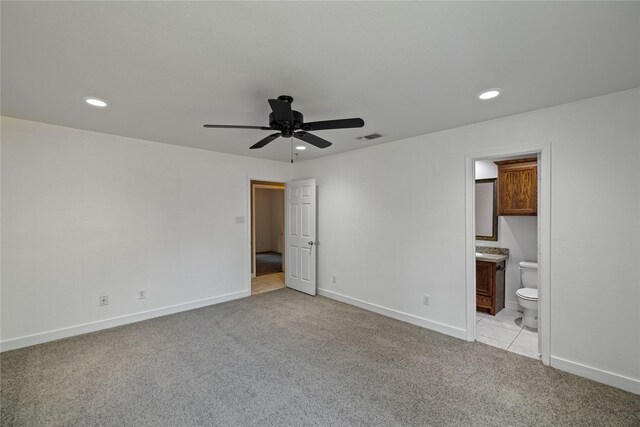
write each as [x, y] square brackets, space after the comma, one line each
[291, 149]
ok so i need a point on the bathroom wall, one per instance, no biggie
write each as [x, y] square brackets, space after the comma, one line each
[486, 169]
[519, 234]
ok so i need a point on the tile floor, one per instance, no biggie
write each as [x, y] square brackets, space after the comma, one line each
[266, 283]
[505, 331]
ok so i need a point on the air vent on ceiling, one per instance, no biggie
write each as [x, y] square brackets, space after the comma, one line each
[370, 136]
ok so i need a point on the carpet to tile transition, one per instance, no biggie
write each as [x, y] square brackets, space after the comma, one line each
[285, 358]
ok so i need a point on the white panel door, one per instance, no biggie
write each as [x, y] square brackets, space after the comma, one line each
[300, 223]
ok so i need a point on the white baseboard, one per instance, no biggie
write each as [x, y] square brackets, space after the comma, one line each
[14, 343]
[398, 315]
[605, 377]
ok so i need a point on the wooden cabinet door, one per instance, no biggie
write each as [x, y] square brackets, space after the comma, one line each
[484, 278]
[498, 296]
[518, 187]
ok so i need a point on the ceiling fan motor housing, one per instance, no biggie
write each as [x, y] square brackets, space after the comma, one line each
[287, 128]
[286, 98]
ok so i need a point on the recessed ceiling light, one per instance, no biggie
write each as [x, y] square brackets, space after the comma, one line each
[489, 93]
[301, 147]
[96, 102]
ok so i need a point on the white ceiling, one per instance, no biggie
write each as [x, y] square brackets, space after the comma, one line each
[407, 69]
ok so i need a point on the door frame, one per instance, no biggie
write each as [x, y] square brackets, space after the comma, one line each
[543, 151]
[250, 265]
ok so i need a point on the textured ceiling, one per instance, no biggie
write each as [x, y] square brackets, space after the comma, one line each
[167, 68]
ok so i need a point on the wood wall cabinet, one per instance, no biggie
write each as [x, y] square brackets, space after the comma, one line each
[490, 286]
[518, 187]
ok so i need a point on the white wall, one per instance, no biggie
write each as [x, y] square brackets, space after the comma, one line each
[269, 208]
[392, 226]
[85, 214]
[519, 234]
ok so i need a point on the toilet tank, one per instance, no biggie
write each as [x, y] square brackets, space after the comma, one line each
[529, 274]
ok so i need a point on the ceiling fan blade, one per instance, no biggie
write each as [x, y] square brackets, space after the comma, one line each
[333, 124]
[312, 139]
[281, 110]
[237, 127]
[265, 141]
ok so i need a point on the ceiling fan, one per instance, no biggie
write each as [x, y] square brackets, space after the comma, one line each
[290, 123]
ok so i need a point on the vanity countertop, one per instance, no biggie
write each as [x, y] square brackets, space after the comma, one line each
[490, 257]
[491, 254]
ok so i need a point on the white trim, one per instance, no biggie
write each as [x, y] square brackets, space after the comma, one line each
[470, 245]
[605, 377]
[544, 237]
[398, 315]
[56, 334]
[544, 253]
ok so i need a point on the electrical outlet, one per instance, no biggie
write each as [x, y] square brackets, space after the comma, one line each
[334, 278]
[142, 293]
[104, 300]
[426, 299]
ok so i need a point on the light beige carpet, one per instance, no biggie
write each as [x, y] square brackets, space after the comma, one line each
[285, 358]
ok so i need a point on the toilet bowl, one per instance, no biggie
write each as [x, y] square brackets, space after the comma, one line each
[527, 295]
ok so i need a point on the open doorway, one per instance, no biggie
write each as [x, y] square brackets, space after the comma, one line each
[267, 236]
[506, 223]
[508, 250]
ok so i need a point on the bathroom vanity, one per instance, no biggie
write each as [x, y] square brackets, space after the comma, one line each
[490, 269]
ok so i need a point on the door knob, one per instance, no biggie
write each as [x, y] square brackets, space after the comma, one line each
[311, 243]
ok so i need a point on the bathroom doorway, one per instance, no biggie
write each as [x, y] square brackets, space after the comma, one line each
[267, 236]
[508, 246]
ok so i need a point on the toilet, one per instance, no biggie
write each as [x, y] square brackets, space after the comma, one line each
[527, 295]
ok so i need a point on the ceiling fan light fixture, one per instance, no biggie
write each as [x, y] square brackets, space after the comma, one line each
[96, 102]
[488, 94]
